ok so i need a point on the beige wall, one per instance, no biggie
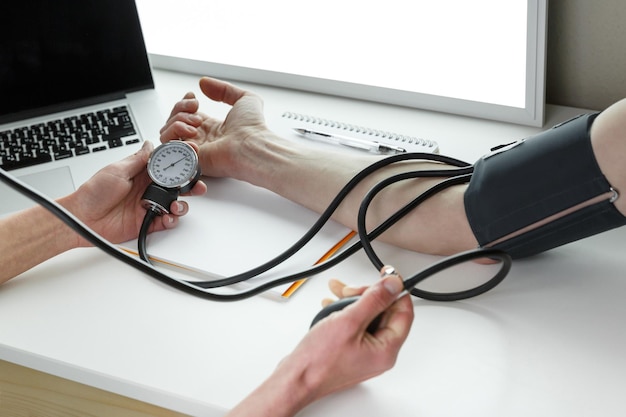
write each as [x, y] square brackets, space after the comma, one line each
[586, 53]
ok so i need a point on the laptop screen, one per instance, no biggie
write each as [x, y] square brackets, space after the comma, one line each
[55, 55]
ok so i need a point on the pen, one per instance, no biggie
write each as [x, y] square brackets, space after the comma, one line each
[367, 145]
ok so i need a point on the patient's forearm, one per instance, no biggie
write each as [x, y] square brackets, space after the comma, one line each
[313, 179]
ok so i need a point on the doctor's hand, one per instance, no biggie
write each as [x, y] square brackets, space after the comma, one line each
[110, 201]
[337, 352]
[346, 352]
[222, 143]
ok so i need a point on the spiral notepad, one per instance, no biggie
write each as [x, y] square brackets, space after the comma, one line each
[410, 143]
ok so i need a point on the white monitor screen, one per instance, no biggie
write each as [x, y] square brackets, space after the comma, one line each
[483, 58]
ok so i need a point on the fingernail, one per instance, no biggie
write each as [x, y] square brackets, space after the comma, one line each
[179, 207]
[393, 284]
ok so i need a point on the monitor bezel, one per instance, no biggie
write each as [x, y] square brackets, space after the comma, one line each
[532, 114]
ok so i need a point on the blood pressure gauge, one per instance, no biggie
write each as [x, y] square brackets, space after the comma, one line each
[174, 169]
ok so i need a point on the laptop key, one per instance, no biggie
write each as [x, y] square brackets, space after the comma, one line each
[81, 150]
[63, 154]
[115, 143]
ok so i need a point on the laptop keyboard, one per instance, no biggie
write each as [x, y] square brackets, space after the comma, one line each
[66, 138]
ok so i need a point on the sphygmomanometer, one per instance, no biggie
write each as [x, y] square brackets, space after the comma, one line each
[174, 169]
[521, 199]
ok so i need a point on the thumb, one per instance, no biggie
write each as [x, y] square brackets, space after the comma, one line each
[135, 163]
[145, 151]
[380, 296]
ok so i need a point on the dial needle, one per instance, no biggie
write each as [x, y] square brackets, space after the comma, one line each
[174, 163]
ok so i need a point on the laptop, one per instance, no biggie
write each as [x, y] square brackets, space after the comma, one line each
[76, 92]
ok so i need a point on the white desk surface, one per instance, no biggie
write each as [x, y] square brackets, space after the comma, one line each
[549, 341]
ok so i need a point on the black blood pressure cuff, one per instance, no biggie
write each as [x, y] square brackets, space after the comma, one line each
[541, 192]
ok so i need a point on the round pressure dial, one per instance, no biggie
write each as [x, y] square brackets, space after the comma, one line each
[174, 165]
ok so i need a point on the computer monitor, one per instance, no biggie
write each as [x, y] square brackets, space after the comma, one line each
[484, 58]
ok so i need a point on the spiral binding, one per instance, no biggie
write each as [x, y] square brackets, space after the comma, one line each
[374, 133]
